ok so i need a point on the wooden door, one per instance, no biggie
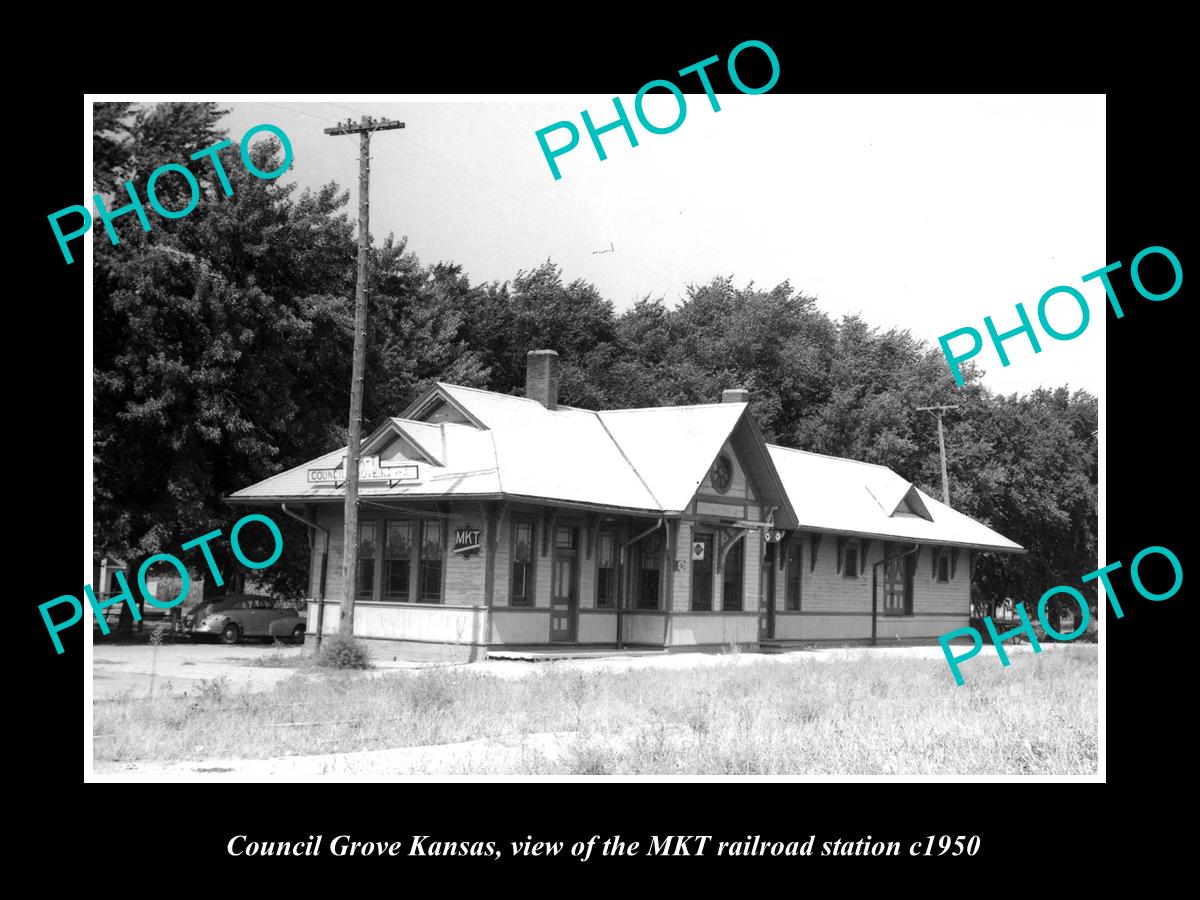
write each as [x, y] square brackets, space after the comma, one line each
[564, 599]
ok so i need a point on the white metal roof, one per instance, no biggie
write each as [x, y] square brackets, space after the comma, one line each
[844, 495]
[672, 447]
[638, 459]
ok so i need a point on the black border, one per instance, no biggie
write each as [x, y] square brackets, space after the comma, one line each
[1146, 435]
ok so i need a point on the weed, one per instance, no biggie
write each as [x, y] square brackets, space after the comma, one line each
[156, 638]
[213, 690]
[585, 758]
[342, 651]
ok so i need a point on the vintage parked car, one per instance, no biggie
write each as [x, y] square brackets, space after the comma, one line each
[236, 616]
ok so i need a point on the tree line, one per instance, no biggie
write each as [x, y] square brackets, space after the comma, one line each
[223, 349]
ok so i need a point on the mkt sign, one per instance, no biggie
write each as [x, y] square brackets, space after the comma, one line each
[369, 469]
[466, 541]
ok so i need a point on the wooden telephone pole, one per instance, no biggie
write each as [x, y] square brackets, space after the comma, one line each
[350, 544]
[938, 410]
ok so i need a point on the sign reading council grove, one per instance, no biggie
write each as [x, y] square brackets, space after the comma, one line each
[369, 469]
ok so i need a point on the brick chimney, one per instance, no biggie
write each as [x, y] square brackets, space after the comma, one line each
[541, 377]
[735, 395]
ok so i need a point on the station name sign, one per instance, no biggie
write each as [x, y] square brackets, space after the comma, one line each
[369, 469]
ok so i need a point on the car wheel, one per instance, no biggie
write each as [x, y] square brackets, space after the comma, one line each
[231, 634]
[298, 634]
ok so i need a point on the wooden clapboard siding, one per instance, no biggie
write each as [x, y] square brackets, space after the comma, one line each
[681, 590]
[752, 574]
[464, 578]
[330, 516]
[502, 590]
[836, 607]
[587, 567]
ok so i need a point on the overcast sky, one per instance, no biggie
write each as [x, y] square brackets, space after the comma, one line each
[926, 213]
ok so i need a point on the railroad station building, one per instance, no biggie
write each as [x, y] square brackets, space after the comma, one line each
[491, 521]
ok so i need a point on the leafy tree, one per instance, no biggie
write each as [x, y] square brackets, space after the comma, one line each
[221, 339]
[417, 324]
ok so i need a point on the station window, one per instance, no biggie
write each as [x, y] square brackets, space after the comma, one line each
[943, 568]
[850, 561]
[649, 571]
[365, 581]
[732, 571]
[521, 593]
[606, 572]
[431, 561]
[397, 561]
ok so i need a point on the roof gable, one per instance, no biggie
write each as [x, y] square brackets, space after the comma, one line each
[911, 505]
[672, 448]
[413, 440]
[438, 405]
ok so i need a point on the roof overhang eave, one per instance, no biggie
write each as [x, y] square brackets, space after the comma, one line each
[940, 542]
[444, 498]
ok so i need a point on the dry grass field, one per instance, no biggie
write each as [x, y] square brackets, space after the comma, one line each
[877, 715]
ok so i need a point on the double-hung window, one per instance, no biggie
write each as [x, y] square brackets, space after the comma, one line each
[850, 561]
[365, 580]
[521, 592]
[649, 571]
[430, 572]
[397, 560]
[606, 571]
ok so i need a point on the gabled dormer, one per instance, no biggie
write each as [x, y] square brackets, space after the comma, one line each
[911, 504]
[400, 439]
[899, 498]
[438, 405]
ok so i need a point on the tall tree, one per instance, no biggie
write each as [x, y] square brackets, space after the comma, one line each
[220, 338]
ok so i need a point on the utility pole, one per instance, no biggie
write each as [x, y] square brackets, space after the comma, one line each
[350, 545]
[938, 410]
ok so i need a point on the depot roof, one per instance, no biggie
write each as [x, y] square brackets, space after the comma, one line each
[851, 497]
[642, 460]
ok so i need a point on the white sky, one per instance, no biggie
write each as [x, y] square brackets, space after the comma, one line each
[926, 213]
